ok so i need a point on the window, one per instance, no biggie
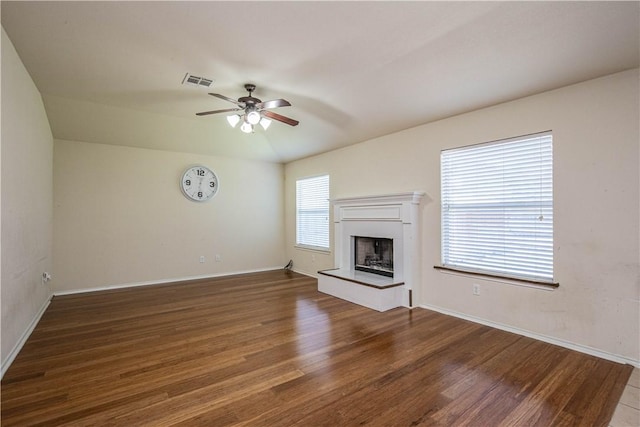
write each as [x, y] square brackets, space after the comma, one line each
[312, 212]
[497, 208]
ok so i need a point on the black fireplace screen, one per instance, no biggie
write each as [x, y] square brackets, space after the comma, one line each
[374, 255]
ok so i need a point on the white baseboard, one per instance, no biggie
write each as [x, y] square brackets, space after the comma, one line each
[160, 282]
[551, 340]
[23, 338]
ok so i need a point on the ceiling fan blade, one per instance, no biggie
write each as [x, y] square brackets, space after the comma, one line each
[226, 98]
[280, 118]
[274, 103]
[206, 113]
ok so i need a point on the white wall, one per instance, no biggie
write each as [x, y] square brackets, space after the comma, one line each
[120, 217]
[27, 202]
[596, 211]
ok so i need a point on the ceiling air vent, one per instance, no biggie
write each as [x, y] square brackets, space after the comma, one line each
[192, 80]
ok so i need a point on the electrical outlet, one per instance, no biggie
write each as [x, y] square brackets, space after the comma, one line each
[45, 277]
[476, 289]
[313, 258]
[218, 258]
[201, 259]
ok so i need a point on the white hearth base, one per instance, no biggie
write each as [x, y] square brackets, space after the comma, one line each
[369, 290]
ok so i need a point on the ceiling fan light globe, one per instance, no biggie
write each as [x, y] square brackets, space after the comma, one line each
[253, 117]
[233, 120]
[246, 127]
[265, 123]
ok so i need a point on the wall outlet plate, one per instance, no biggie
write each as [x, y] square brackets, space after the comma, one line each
[46, 276]
[476, 289]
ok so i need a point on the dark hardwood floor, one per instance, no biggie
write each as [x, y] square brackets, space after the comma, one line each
[267, 349]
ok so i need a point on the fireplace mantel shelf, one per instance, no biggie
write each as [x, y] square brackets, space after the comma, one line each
[411, 196]
[362, 278]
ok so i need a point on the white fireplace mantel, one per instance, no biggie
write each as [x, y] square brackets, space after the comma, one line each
[411, 197]
[393, 216]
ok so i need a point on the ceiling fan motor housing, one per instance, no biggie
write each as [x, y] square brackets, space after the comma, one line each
[249, 101]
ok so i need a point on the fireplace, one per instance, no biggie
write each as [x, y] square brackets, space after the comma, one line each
[388, 243]
[373, 255]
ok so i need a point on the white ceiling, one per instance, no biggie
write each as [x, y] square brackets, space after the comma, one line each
[111, 72]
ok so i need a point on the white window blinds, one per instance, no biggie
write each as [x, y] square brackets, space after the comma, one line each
[497, 208]
[312, 212]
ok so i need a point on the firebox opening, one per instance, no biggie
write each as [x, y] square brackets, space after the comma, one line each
[373, 255]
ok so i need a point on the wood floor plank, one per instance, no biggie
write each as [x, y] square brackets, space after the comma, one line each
[267, 349]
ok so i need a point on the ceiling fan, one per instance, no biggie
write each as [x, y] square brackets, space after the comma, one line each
[253, 110]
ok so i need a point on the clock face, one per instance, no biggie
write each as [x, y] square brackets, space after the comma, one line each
[199, 183]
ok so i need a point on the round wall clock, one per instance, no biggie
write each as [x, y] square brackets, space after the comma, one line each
[199, 183]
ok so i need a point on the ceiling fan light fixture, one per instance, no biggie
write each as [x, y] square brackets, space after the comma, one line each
[253, 117]
[246, 127]
[233, 120]
[265, 123]
[250, 111]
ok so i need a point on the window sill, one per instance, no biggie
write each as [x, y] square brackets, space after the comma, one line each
[313, 249]
[505, 279]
